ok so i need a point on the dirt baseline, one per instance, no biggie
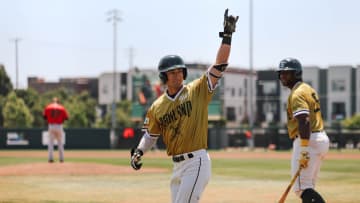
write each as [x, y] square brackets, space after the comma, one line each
[76, 168]
[71, 169]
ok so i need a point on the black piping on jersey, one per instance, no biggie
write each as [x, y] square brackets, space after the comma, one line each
[210, 85]
[197, 177]
[177, 94]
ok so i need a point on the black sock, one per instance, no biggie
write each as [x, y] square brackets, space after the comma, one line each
[311, 196]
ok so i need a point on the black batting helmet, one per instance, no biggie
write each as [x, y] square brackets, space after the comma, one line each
[170, 62]
[291, 64]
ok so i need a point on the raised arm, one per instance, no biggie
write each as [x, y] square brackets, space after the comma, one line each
[223, 53]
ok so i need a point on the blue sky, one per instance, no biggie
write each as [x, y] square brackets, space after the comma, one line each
[71, 38]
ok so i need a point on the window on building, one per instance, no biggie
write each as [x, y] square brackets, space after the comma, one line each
[105, 89]
[269, 107]
[233, 92]
[230, 114]
[338, 85]
[269, 87]
[338, 111]
[240, 92]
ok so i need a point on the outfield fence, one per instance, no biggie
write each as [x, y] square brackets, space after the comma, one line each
[126, 138]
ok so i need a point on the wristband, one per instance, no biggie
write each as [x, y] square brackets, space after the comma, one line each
[221, 67]
[226, 40]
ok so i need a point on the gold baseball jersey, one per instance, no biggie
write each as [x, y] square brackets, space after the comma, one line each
[303, 99]
[182, 121]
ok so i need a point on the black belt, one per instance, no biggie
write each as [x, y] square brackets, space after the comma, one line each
[182, 157]
[316, 131]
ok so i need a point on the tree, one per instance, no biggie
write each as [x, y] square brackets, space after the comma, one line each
[5, 82]
[82, 111]
[122, 114]
[5, 88]
[353, 122]
[90, 107]
[33, 102]
[2, 104]
[16, 114]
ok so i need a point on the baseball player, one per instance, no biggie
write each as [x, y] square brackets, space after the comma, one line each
[180, 117]
[55, 114]
[306, 129]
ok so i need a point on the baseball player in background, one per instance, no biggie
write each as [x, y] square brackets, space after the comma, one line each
[306, 129]
[180, 117]
[55, 114]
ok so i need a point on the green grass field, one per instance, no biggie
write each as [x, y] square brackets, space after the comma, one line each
[247, 179]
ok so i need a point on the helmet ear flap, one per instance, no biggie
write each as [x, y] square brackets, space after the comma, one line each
[185, 73]
[298, 74]
[163, 77]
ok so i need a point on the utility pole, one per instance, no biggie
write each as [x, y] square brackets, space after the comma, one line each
[131, 57]
[114, 18]
[16, 42]
[251, 114]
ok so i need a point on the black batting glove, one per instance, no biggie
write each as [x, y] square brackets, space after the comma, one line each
[136, 158]
[229, 27]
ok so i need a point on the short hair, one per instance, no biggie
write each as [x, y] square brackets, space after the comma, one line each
[56, 100]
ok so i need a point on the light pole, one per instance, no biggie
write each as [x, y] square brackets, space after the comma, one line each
[114, 18]
[16, 42]
[251, 114]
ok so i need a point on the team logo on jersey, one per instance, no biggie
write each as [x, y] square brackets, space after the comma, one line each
[184, 96]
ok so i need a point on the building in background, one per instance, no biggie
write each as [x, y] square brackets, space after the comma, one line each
[357, 91]
[338, 88]
[267, 97]
[75, 85]
[341, 100]
[236, 100]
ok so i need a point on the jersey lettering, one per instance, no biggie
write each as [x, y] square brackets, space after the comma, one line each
[184, 109]
[168, 118]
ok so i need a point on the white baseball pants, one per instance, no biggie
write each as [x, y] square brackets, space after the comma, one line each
[190, 177]
[56, 132]
[318, 147]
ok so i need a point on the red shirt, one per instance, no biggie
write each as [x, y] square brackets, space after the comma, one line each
[55, 113]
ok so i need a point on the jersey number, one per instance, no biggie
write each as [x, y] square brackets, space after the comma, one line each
[317, 104]
[54, 113]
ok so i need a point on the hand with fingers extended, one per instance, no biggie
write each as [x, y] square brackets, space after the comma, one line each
[229, 25]
[136, 158]
[304, 159]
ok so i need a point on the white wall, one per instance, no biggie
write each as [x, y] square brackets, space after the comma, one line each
[342, 74]
[358, 89]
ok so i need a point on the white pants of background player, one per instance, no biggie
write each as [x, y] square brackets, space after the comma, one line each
[318, 147]
[56, 132]
[190, 177]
